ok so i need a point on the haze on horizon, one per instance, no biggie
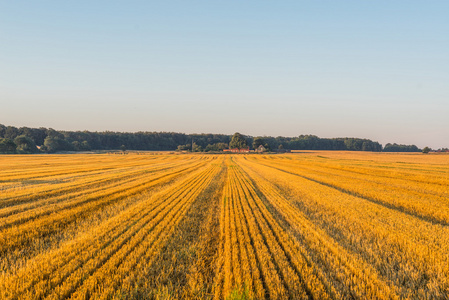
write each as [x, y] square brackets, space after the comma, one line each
[377, 70]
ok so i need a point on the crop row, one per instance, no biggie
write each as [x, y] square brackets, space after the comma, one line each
[428, 201]
[101, 259]
[295, 226]
[410, 253]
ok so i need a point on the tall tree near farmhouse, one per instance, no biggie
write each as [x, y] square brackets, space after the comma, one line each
[238, 141]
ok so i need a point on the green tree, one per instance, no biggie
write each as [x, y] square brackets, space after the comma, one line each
[366, 146]
[25, 144]
[221, 146]
[257, 142]
[53, 143]
[76, 146]
[85, 146]
[7, 146]
[123, 148]
[186, 147]
[196, 148]
[2, 130]
[216, 147]
[11, 132]
[238, 141]
[426, 150]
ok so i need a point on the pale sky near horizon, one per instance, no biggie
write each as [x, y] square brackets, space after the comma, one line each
[368, 69]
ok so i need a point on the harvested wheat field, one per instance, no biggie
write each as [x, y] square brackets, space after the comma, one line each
[309, 225]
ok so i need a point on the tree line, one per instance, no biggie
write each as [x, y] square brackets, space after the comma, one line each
[48, 140]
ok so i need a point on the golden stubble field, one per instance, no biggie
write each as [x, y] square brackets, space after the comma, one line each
[308, 225]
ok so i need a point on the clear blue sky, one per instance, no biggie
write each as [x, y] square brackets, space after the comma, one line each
[372, 69]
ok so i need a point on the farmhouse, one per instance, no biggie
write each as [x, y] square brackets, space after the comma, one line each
[261, 149]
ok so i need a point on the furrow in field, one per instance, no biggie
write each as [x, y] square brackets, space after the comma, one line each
[404, 250]
[19, 236]
[256, 279]
[275, 241]
[278, 282]
[426, 181]
[73, 197]
[412, 203]
[92, 169]
[201, 274]
[34, 193]
[106, 241]
[322, 256]
[69, 168]
[168, 265]
[222, 254]
[414, 172]
[226, 281]
[83, 197]
[106, 279]
[272, 278]
[296, 226]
